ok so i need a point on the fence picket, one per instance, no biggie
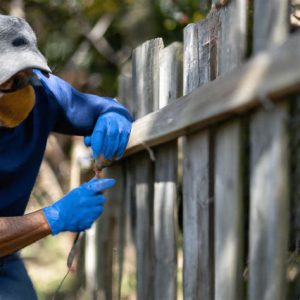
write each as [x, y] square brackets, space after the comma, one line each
[145, 93]
[165, 187]
[228, 213]
[228, 164]
[111, 238]
[127, 253]
[269, 198]
[197, 268]
[212, 121]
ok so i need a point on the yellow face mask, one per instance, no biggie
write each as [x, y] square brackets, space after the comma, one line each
[16, 106]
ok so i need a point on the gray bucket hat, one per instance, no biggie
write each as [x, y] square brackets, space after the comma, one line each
[18, 48]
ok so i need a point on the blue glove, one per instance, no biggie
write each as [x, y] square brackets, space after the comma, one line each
[77, 210]
[110, 135]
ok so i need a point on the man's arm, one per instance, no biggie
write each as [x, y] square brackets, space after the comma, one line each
[75, 212]
[18, 232]
[76, 113]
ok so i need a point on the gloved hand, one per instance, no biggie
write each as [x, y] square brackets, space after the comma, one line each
[77, 210]
[110, 135]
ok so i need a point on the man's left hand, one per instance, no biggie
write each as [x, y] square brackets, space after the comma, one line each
[110, 136]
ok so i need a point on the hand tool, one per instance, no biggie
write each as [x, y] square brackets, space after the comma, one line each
[99, 165]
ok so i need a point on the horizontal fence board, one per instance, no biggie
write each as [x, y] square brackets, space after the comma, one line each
[273, 74]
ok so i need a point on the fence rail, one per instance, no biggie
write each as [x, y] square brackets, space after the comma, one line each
[205, 179]
[269, 76]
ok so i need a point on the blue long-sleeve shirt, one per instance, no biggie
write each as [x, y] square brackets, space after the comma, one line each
[59, 108]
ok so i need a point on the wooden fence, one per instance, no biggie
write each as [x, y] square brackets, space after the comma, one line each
[210, 173]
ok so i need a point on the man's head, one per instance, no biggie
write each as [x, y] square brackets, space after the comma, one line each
[18, 48]
[18, 56]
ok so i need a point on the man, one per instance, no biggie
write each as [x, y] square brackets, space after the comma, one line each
[33, 103]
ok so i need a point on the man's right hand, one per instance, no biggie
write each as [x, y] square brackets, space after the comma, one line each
[77, 210]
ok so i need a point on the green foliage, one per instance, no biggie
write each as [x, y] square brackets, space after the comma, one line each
[61, 27]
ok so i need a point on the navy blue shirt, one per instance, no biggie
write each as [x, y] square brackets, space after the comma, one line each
[59, 108]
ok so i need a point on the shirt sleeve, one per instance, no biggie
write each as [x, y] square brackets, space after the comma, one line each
[76, 112]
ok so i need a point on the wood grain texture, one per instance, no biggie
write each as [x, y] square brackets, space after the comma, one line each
[191, 67]
[107, 237]
[197, 268]
[270, 26]
[170, 74]
[274, 74]
[232, 36]
[126, 251]
[269, 194]
[144, 226]
[269, 205]
[145, 72]
[145, 76]
[228, 213]
[228, 165]
[165, 242]
[196, 280]
[165, 186]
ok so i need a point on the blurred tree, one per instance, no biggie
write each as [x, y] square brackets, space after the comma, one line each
[87, 41]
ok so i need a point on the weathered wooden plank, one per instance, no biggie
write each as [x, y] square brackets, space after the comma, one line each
[228, 213]
[145, 92]
[165, 188]
[270, 26]
[197, 254]
[208, 32]
[107, 240]
[191, 76]
[145, 76]
[269, 207]
[232, 37]
[144, 226]
[165, 248]
[228, 165]
[269, 199]
[196, 280]
[273, 74]
[170, 76]
[127, 256]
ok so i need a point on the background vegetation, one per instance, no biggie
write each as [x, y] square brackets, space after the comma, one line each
[87, 42]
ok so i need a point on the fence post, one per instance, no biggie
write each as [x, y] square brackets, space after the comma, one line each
[229, 196]
[165, 186]
[269, 200]
[145, 92]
